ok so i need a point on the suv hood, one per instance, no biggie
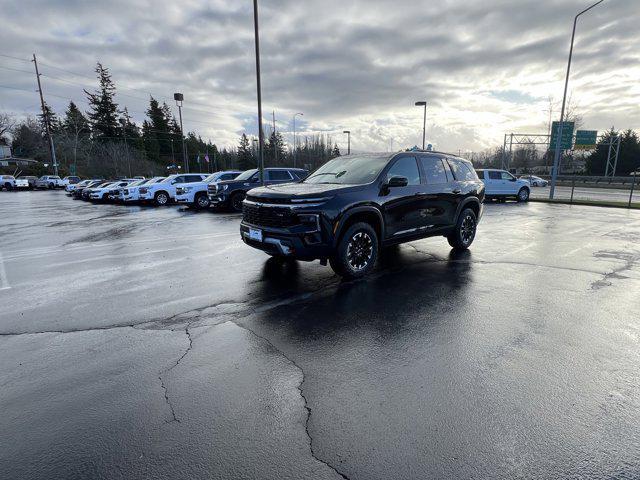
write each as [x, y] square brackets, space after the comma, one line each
[301, 190]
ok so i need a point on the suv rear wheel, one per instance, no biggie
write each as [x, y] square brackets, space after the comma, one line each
[465, 230]
[357, 251]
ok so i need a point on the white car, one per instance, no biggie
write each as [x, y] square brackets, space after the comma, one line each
[501, 184]
[161, 193]
[195, 194]
[22, 184]
[49, 181]
[70, 180]
[103, 192]
[8, 182]
[72, 186]
[131, 193]
[535, 181]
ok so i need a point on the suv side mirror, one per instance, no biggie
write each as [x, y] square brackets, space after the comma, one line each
[397, 181]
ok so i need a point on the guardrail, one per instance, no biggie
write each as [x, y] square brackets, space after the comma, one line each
[592, 190]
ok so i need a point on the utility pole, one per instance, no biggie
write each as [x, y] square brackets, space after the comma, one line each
[45, 115]
[259, 91]
[556, 156]
[275, 137]
[424, 121]
[179, 97]
[348, 132]
[294, 137]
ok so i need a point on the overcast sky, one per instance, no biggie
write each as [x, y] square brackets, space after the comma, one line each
[485, 67]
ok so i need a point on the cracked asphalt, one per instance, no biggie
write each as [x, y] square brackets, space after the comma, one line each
[152, 343]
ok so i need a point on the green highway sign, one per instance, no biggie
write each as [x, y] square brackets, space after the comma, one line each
[566, 142]
[586, 139]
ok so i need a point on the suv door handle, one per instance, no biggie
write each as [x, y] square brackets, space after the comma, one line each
[456, 190]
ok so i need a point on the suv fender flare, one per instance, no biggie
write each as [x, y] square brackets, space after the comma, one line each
[466, 203]
[343, 220]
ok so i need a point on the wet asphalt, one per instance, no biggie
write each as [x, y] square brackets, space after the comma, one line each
[138, 342]
[620, 195]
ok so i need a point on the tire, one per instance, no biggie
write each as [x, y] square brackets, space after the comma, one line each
[8, 187]
[161, 199]
[523, 194]
[202, 201]
[51, 186]
[105, 198]
[464, 232]
[357, 251]
[236, 201]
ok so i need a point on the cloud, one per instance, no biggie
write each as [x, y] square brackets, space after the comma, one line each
[484, 67]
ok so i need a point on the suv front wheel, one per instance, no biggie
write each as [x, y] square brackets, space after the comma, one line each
[465, 230]
[357, 251]
[161, 199]
[236, 201]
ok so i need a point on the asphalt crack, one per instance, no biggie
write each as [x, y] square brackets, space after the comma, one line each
[165, 372]
[629, 260]
[301, 392]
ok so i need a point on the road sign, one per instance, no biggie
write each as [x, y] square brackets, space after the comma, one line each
[586, 139]
[566, 142]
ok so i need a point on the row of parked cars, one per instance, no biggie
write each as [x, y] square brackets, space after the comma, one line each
[198, 190]
[29, 182]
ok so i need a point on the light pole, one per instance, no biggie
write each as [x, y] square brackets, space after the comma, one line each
[294, 136]
[424, 121]
[348, 132]
[178, 97]
[556, 156]
[259, 92]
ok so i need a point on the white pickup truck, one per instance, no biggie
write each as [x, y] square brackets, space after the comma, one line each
[131, 193]
[501, 184]
[49, 181]
[161, 193]
[8, 182]
[194, 194]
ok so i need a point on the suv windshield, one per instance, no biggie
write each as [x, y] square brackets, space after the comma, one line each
[351, 170]
[246, 175]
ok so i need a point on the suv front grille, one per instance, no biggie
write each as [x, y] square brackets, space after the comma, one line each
[212, 188]
[263, 216]
[279, 201]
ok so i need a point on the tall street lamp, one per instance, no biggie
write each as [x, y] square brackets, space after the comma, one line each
[178, 97]
[556, 156]
[259, 91]
[348, 132]
[424, 121]
[294, 137]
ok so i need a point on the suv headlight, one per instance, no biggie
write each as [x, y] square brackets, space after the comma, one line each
[225, 187]
[186, 189]
[310, 219]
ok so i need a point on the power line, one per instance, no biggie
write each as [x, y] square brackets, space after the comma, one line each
[15, 58]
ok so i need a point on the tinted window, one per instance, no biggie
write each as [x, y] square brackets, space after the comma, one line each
[461, 171]
[278, 175]
[228, 176]
[493, 175]
[405, 167]
[433, 170]
[193, 178]
[480, 173]
[299, 174]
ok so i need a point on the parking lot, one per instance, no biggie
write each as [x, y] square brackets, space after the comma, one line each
[588, 193]
[141, 342]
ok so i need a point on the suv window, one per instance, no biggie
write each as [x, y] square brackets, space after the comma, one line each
[298, 174]
[405, 167]
[434, 170]
[461, 171]
[480, 173]
[227, 176]
[493, 175]
[506, 176]
[278, 175]
[193, 178]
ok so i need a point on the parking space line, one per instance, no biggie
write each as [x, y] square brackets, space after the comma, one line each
[4, 281]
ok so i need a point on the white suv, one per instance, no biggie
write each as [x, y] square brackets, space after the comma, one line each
[163, 192]
[8, 182]
[49, 181]
[103, 192]
[501, 184]
[131, 193]
[195, 194]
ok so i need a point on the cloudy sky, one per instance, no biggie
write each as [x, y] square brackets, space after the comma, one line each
[485, 67]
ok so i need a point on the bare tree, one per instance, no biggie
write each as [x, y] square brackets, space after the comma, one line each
[7, 122]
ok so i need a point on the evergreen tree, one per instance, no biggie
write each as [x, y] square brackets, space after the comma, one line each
[628, 157]
[274, 151]
[336, 151]
[54, 121]
[103, 113]
[245, 157]
[75, 123]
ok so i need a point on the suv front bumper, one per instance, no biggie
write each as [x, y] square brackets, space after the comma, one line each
[300, 242]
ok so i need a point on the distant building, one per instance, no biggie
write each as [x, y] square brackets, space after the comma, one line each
[5, 151]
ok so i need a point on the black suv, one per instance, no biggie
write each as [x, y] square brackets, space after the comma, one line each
[230, 193]
[352, 206]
